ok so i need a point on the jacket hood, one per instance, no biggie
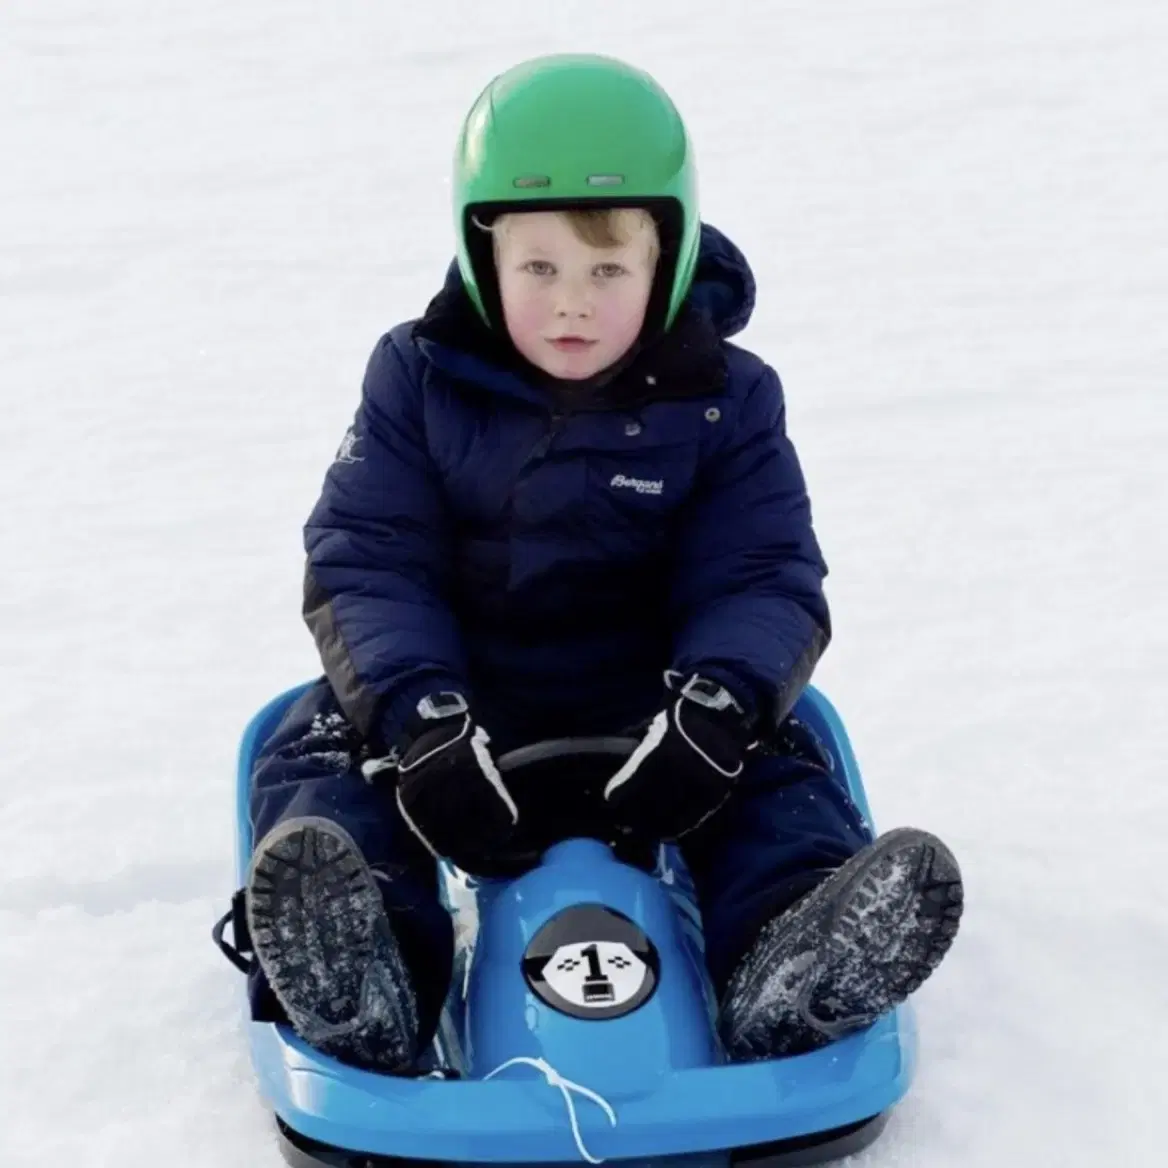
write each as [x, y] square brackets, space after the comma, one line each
[723, 288]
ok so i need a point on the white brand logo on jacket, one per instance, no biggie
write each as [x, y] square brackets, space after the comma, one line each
[347, 451]
[641, 486]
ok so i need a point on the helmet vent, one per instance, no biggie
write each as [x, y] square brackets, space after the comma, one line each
[532, 180]
[605, 180]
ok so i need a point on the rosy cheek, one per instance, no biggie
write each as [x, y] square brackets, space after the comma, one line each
[531, 325]
[620, 320]
[523, 316]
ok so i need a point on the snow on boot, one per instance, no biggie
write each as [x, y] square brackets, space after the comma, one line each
[851, 950]
[323, 939]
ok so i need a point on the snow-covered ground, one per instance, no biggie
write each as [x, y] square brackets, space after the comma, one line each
[209, 212]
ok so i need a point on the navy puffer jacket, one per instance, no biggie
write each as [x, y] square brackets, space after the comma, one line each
[552, 556]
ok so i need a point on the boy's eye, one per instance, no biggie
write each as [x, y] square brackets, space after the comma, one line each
[609, 271]
[539, 267]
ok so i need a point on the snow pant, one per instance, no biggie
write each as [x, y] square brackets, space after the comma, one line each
[787, 826]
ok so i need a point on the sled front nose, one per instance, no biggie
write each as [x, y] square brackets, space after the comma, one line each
[583, 962]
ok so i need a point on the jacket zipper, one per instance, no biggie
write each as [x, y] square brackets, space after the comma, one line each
[541, 448]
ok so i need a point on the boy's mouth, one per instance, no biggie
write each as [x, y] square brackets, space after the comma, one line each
[570, 344]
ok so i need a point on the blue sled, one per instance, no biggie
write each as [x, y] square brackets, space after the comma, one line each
[590, 973]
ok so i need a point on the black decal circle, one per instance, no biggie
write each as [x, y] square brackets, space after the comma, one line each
[591, 961]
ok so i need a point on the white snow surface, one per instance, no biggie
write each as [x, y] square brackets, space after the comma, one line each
[956, 212]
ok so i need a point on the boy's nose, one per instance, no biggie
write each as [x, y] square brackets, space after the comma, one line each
[574, 308]
[574, 302]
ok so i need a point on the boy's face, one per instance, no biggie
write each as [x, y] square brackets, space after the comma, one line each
[570, 308]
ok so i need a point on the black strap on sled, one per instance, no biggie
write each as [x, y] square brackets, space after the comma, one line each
[241, 954]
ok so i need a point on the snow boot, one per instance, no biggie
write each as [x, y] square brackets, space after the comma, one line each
[848, 952]
[322, 936]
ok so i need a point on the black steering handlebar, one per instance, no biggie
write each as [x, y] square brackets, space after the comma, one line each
[549, 749]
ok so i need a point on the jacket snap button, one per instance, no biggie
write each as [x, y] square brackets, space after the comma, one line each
[632, 429]
[713, 414]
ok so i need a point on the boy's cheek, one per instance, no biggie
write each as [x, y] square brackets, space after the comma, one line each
[520, 313]
[619, 327]
[529, 326]
[525, 332]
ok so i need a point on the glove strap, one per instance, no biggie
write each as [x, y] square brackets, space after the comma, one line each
[710, 694]
[435, 708]
[439, 747]
[444, 704]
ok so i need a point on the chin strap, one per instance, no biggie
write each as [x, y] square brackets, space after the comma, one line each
[565, 1087]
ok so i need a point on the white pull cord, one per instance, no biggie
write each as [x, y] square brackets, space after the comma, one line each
[565, 1087]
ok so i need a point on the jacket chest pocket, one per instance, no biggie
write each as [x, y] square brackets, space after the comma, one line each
[636, 491]
[649, 478]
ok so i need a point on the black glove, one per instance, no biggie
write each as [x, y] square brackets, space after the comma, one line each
[449, 789]
[686, 765]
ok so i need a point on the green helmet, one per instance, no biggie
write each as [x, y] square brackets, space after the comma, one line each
[568, 131]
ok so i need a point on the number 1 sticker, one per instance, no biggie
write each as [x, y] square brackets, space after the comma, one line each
[591, 962]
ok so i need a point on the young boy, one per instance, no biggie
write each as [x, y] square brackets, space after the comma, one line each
[562, 486]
